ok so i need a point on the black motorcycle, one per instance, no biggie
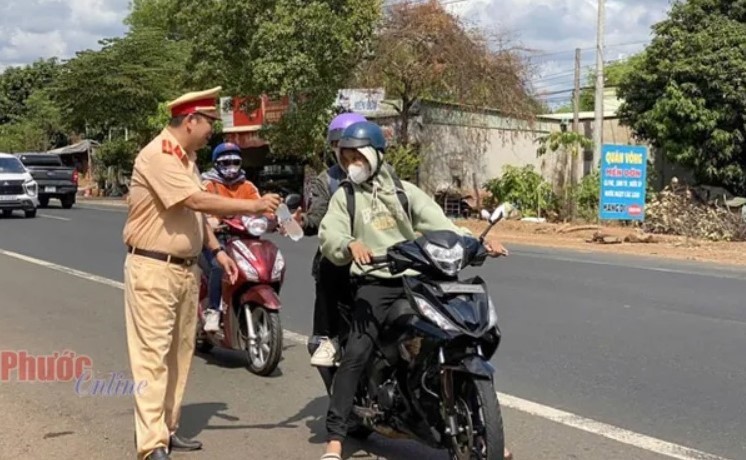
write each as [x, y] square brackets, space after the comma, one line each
[430, 378]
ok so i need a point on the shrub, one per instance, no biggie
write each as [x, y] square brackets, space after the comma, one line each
[525, 188]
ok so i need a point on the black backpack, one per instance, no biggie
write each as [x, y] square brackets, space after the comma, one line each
[336, 178]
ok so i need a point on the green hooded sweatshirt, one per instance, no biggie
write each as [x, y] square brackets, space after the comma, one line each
[380, 221]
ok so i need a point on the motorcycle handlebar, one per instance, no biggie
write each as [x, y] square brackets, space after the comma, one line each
[378, 260]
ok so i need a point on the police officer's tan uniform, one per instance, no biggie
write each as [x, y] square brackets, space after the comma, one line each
[161, 295]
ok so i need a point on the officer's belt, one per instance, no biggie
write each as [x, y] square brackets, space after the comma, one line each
[162, 256]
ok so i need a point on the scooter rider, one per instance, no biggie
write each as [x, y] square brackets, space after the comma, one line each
[328, 276]
[227, 179]
[378, 221]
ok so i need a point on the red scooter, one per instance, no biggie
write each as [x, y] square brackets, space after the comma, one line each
[251, 317]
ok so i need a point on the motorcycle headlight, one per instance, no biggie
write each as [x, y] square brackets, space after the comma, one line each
[257, 226]
[493, 315]
[278, 267]
[447, 259]
[429, 312]
[242, 256]
[32, 188]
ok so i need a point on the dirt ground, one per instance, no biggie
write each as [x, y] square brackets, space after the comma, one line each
[618, 240]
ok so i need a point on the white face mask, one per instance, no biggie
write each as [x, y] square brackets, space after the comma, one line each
[358, 173]
[231, 172]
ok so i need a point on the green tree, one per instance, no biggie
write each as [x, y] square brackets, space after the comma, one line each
[18, 83]
[686, 95]
[162, 15]
[21, 137]
[421, 51]
[39, 129]
[121, 85]
[405, 160]
[304, 50]
[571, 144]
[524, 188]
[614, 73]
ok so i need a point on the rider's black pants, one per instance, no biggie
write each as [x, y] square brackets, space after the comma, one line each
[332, 284]
[372, 303]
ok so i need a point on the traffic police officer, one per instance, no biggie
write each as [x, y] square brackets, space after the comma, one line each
[165, 233]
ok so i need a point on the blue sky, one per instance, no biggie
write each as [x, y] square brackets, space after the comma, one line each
[31, 29]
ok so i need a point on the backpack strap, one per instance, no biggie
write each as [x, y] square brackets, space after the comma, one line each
[350, 195]
[401, 194]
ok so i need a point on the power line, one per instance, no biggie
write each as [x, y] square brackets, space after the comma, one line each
[616, 45]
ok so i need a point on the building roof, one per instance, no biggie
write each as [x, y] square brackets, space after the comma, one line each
[80, 147]
[611, 107]
[582, 116]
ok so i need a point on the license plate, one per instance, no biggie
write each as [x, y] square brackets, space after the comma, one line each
[7, 197]
[458, 288]
[49, 189]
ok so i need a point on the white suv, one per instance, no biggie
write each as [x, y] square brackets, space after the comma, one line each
[18, 190]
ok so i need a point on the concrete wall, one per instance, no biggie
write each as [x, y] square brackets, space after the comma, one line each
[457, 143]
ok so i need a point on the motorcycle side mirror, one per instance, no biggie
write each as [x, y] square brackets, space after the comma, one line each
[293, 201]
[501, 212]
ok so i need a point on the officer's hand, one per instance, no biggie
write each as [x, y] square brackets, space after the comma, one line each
[268, 203]
[360, 253]
[228, 265]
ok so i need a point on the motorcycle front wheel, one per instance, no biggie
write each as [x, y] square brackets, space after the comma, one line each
[264, 355]
[478, 413]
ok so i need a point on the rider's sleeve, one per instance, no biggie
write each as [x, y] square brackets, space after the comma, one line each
[320, 197]
[334, 231]
[427, 215]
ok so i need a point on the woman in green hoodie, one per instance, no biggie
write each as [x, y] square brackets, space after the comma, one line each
[380, 221]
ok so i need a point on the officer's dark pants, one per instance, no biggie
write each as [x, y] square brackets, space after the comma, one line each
[373, 300]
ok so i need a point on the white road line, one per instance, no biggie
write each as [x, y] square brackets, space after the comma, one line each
[724, 271]
[631, 438]
[621, 435]
[49, 216]
[110, 208]
[63, 269]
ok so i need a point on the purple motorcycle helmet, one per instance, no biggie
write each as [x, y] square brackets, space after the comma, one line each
[340, 123]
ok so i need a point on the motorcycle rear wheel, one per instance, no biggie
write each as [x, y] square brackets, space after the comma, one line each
[264, 357]
[485, 436]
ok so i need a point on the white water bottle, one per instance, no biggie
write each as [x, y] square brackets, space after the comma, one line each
[286, 221]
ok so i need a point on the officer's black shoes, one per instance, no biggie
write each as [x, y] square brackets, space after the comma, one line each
[177, 443]
[158, 454]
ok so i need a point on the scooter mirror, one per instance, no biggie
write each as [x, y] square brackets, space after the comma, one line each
[293, 201]
[501, 212]
[485, 214]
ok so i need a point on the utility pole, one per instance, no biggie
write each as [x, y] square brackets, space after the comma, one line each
[576, 94]
[598, 126]
[576, 128]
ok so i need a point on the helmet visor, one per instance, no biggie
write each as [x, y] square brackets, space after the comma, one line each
[334, 135]
[351, 143]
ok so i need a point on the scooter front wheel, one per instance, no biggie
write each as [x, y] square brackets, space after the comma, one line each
[264, 351]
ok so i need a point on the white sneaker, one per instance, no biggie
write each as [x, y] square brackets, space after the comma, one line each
[325, 353]
[212, 321]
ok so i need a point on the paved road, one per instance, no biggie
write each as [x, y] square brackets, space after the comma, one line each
[649, 346]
